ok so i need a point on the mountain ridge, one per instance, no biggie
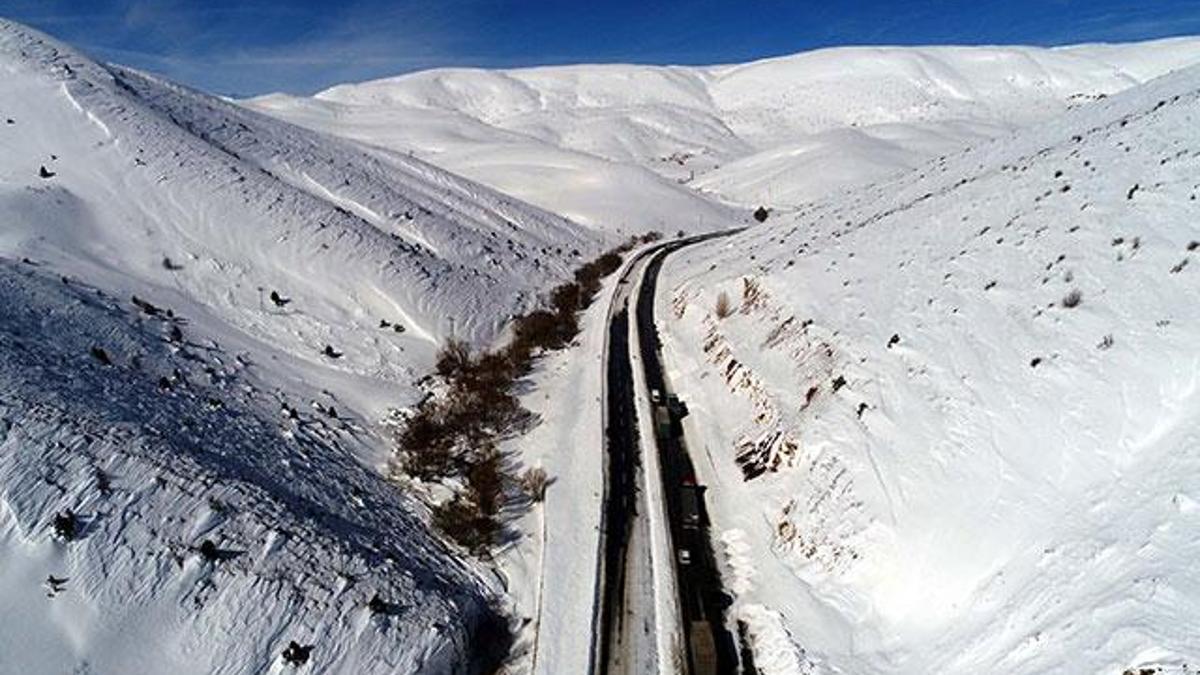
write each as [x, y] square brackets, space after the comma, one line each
[743, 134]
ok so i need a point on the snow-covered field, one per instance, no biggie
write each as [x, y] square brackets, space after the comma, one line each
[951, 423]
[626, 146]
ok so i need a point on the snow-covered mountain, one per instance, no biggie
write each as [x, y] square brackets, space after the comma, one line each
[159, 187]
[206, 534]
[949, 421]
[623, 145]
[952, 421]
[204, 312]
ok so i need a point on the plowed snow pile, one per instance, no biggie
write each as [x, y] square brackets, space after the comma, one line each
[952, 422]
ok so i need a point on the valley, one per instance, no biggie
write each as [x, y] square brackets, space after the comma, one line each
[858, 361]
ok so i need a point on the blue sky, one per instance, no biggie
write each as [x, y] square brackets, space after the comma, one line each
[246, 47]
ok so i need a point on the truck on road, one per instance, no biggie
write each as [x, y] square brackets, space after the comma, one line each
[689, 506]
[704, 649]
[662, 422]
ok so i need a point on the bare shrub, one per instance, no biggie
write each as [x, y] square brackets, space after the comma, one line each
[461, 520]
[481, 405]
[608, 263]
[455, 434]
[1073, 298]
[428, 443]
[567, 298]
[471, 518]
[453, 358]
[588, 275]
[542, 329]
[588, 278]
[723, 308]
[752, 294]
[490, 370]
[534, 482]
[519, 357]
[485, 481]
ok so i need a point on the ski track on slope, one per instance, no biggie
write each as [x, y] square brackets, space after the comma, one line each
[364, 212]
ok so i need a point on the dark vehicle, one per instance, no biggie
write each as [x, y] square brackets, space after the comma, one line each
[662, 422]
[689, 506]
[677, 407]
[704, 649]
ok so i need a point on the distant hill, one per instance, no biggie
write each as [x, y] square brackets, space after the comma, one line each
[608, 144]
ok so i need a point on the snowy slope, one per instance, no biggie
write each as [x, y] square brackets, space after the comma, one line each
[167, 447]
[610, 195]
[154, 222]
[244, 204]
[579, 139]
[924, 453]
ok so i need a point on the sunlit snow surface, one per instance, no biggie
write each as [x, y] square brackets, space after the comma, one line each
[166, 448]
[963, 472]
[623, 146]
[149, 384]
[980, 514]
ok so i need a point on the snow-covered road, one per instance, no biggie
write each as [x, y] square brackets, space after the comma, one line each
[660, 596]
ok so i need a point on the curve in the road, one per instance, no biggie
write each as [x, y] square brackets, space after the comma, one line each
[710, 645]
[702, 597]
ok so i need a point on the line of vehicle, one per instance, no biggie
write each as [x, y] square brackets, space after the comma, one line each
[603, 607]
[621, 448]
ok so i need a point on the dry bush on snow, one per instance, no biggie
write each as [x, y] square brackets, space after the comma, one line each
[1073, 298]
[453, 358]
[534, 482]
[461, 520]
[471, 519]
[723, 308]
